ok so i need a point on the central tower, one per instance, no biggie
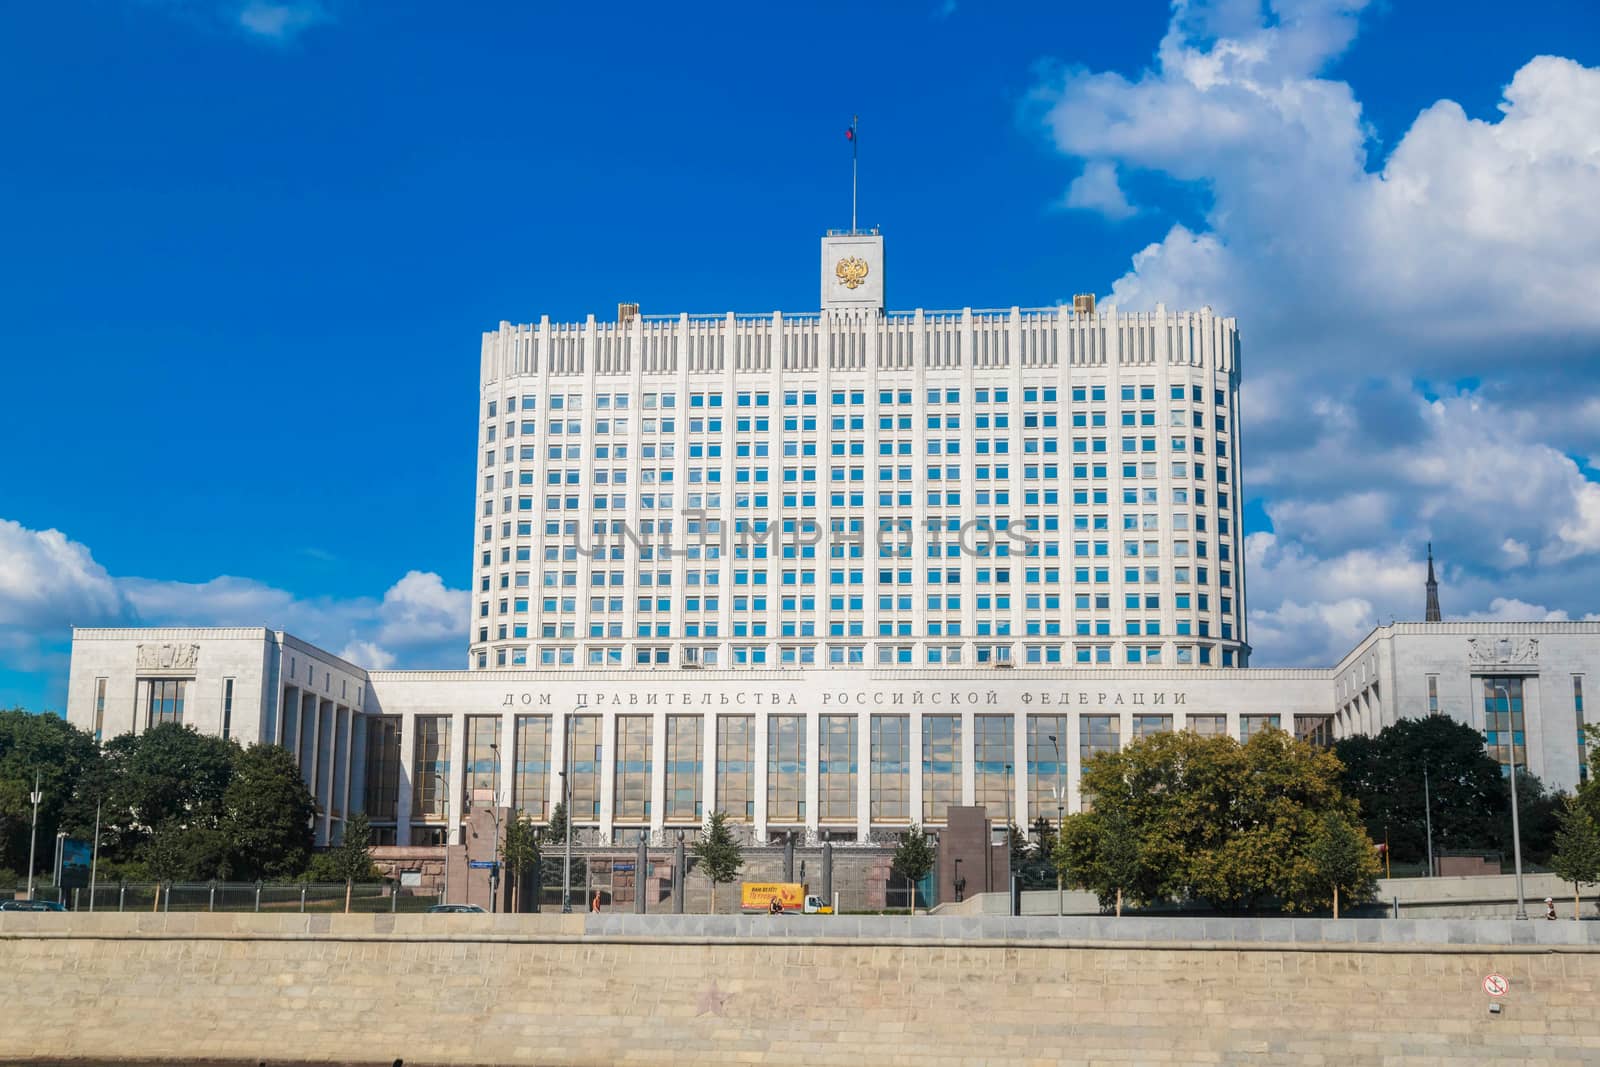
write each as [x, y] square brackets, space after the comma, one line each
[852, 272]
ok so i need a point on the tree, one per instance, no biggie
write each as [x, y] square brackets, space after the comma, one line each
[1204, 817]
[1099, 851]
[169, 773]
[556, 832]
[519, 853]
[1344, 858]
[268, 815]
[1467, 794]
[1577, 851]
[350, 861]
[913, 858]
[66, 759]
[718, 852]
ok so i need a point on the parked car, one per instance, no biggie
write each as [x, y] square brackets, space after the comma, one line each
[471, 909]
[32, 905]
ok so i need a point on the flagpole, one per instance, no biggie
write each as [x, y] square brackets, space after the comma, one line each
[855, 143]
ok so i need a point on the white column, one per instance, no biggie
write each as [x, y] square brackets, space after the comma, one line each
[658, 772]
[454, 778]
[863, 775]
[404, 798]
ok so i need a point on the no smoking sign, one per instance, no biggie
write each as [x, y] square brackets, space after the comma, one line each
[1496, 985]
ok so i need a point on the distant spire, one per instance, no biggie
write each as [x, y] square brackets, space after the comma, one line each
[1432, 612]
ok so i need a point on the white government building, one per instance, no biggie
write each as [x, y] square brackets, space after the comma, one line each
[833, 572]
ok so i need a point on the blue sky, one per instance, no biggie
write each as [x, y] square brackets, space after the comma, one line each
[250, 248]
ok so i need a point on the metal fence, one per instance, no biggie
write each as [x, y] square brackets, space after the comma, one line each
[278, 897]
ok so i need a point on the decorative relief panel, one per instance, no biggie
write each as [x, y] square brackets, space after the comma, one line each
[1503, 652]
[168, 657]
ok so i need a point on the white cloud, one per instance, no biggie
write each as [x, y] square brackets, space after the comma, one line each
[1097, 190]
[49, 583]
[1468, 252]
[281, 21]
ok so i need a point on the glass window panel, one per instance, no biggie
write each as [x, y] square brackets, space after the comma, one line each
[685, 735]
[583, 754]
[430, 762]
[786, 768]
[993, 751]
[891, 768]
[1047, 764]
[1250, 725]
[530, 788]
[837, 768]
[941, 766]
[479, 772]
[736, 738]
[1207, 725]
[382, 797]
[632, 783]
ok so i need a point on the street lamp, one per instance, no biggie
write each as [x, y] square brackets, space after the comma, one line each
[494, 813]
[957, 882]
[1516, 828]
[1061, 802]
[33, 834]
[444, 784]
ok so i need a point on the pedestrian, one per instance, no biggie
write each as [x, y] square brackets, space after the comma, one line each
[595, 906]
[775, 906]
[1549, 908]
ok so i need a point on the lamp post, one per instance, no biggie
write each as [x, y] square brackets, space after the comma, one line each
[494, 813]
[956, 881]
[1061, 823]
[1516, 828]
[1427, 814]
[94, 858]
[33, 834]
[444, 784]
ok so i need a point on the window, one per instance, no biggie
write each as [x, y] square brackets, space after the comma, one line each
[632, 782]
[993, 751]
[530, 774]
[1503, 722]
[1250, 725]
[837, 768]
[1433, 694]
[786, 769]
[164, 701]
[1207, 725]
[383, 768]
[685, 734]
[583, 769]
[891, 768]
[941, 766]
[1047, 766]
[1577, 708]
[430, 760]
[100, 711]
[735, 766]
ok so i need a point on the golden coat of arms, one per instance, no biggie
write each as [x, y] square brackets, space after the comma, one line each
[851, 270]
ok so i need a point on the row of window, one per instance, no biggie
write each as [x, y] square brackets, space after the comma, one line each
[727, 761]
[855, 398]
[884, 654]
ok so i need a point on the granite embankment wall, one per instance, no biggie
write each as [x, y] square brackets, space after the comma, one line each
[613, 989]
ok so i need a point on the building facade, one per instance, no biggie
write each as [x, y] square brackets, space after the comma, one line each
[852, 487]
[833, 573]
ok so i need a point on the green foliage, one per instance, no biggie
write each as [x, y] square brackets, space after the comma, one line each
[1100, 851]
[1177, 816]
[718, 851]
[177, 853]
[351, 859]
[1469, 797]
[268, 815]
[1577, 847]
[519, 854]
[914, 856]
[168, 774]
[65, 758]
[1343, 858]
[556, 832]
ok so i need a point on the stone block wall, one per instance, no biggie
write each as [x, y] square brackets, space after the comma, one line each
[601, 990]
